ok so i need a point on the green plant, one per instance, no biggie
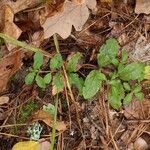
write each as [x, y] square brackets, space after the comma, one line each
[55, 65]
[119, 80]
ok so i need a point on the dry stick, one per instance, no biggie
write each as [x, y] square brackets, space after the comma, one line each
[114, 143]
[67, 98]
[68, 84]
[16, 136]
[115, 132]
[12, 125]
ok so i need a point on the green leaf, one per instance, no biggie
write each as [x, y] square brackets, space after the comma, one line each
[116, 94]
[108, 52]
[115, 62]
[132, 71]
[77, 81]
[128, 98]
[126, 86]
[139, 95]
[47, 78]
[124, 56]
[113, 75]
[147, 72]
[92, 83]
[38, 60]
[137, 88]
[50, 109]
[56, 61]
[30, 77]
[58, 82]
[72, 62]
[121, 66]
[40, 81]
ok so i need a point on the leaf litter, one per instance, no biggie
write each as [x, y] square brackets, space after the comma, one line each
[93, 21]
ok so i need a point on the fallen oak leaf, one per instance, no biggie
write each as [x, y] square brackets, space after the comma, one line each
[73, 14]
[48, 119]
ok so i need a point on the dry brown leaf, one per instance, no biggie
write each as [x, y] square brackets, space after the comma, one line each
[8, 26]
[73, 14]
[137, 110]
[8, 67]
[47, 118]
[142, 6]
[19, 5]
[4, 100]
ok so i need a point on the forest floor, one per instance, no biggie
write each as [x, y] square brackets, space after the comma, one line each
[83, 124]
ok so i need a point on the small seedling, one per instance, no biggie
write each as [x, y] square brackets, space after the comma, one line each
[55, 65]
[118, 80]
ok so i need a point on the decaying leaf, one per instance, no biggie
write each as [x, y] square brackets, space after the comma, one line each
[27, 145]
[73, 14]
[48, 119]
[7, 25]
[19, 5]
[4, 100]
[32, 145]
[8, 67]
[137, 109]
[142, 6]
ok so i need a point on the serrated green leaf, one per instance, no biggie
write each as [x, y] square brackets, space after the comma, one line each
[50, 109]
[38, 60]
[30, 77]
[77, 81]
[147, 72]
[58, 82]
[40, 81]
[126, 86]
[127, 99]
[133, 71]
[56, 61]
[139, 95]
[108, 52]
[92, 83]
[124, 56]
[116, 94]
[72, 62]
[47, 78]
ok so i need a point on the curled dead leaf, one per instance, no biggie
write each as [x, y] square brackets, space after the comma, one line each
[48, 119]
[4, 100]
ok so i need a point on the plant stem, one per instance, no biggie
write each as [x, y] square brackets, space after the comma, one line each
[56, 43]
[54, 125]
[24, 45]
[56, 103]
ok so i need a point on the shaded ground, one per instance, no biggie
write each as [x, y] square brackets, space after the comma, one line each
[100, 127]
